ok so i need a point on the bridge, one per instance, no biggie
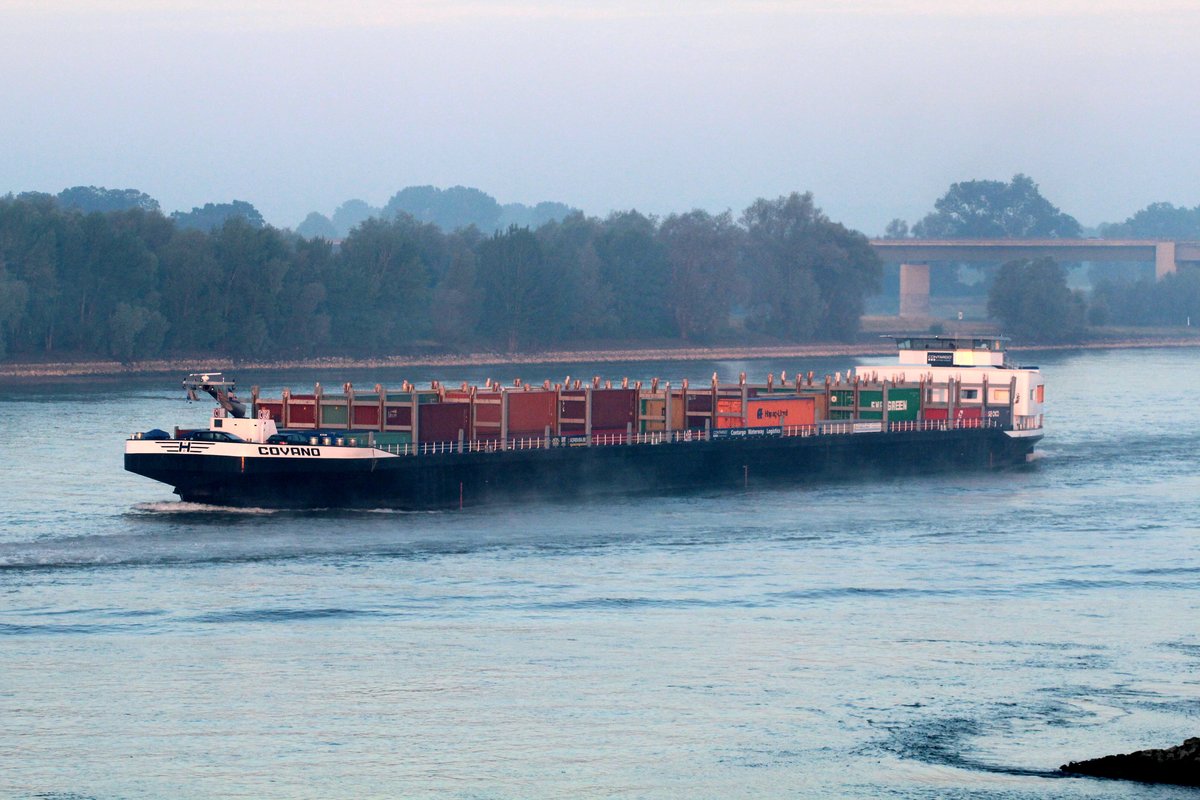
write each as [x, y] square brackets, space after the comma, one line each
[914, 256]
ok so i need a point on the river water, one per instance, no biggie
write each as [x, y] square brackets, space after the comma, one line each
[943, 636]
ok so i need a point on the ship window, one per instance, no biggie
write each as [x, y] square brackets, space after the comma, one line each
[1000, 395]
[970, 394]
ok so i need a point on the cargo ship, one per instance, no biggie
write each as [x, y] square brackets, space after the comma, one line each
[946, 403]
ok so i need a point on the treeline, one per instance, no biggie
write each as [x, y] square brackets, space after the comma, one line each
[449, 209]
[134, 284]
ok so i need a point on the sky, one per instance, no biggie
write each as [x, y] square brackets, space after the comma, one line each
[875, 106]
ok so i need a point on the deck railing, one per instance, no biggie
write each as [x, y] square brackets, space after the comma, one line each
[828, 428]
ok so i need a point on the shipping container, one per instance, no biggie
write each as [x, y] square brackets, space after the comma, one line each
[572, 412]
[653, 413]
[841, 398]
[334, 415]
[903, 404]
[530, 413]
[968, 412]
[388, 437]
[274, 409]
[301, 413]
[614, 408]
[870, 400]
[936, 414]
[397, 416]
[487, 409]
[678, 420]
[729, 413]
[442, 422]
[365, 416]
[763, 412]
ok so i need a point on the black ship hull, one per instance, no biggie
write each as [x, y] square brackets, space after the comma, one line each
[448, 479]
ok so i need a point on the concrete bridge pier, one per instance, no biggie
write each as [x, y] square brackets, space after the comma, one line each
[1164, 260]
[914, 290]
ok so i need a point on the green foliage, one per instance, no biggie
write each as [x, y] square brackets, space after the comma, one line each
[463, 207]
[1157, 221]
[213, 215]
[702, 251]
[317, 225]
[1031, 298]
[518, 288]
[97, 199]
[896, 229]
[1175, 300]
[809, 275]
[134, 284]
[996, 210]
[633, 262]
[352, 213]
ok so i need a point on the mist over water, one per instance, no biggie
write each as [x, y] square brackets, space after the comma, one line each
[941, 636]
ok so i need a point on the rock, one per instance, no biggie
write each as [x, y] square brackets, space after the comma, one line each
[1178, 765]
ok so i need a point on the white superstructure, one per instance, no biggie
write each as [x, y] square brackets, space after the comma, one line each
[969, 372]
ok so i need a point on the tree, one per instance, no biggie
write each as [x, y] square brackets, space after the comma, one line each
[896, 229]
[519, 294]
[809, 276]
[1031, 298]
[702, 251]
[89, 199]
[449, 209]
[1157, 221]
[213, 215]
[633, 263]
[379, 297]
[588, 304]
[317, 226]
[352, 213]
[984, 209]
[135, 332]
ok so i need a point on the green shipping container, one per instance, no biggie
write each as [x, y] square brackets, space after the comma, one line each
[903, 404]
[842, 398]
[870, 400]
[333, 414]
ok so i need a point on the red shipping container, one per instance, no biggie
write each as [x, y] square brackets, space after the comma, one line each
[764, 413]
[366, 416]
[529, 413]
[398, 416]
[303, 413]
[968, 412]
[614, 408]
[936, 413]
[487, 409]
[441, 422]
[274, 409]
[571, 406]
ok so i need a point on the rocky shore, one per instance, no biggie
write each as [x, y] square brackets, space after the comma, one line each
[1175, 765]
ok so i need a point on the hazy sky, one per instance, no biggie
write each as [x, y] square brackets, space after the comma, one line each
[876, 106]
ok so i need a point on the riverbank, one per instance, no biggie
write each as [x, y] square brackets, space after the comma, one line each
[53, 371]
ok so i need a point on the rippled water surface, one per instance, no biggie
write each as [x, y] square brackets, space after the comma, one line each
[948, 636]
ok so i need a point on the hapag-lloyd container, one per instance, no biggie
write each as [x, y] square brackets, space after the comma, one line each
[764, 412]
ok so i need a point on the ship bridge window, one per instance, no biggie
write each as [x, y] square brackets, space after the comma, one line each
[1000, 396]
[970, 394]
